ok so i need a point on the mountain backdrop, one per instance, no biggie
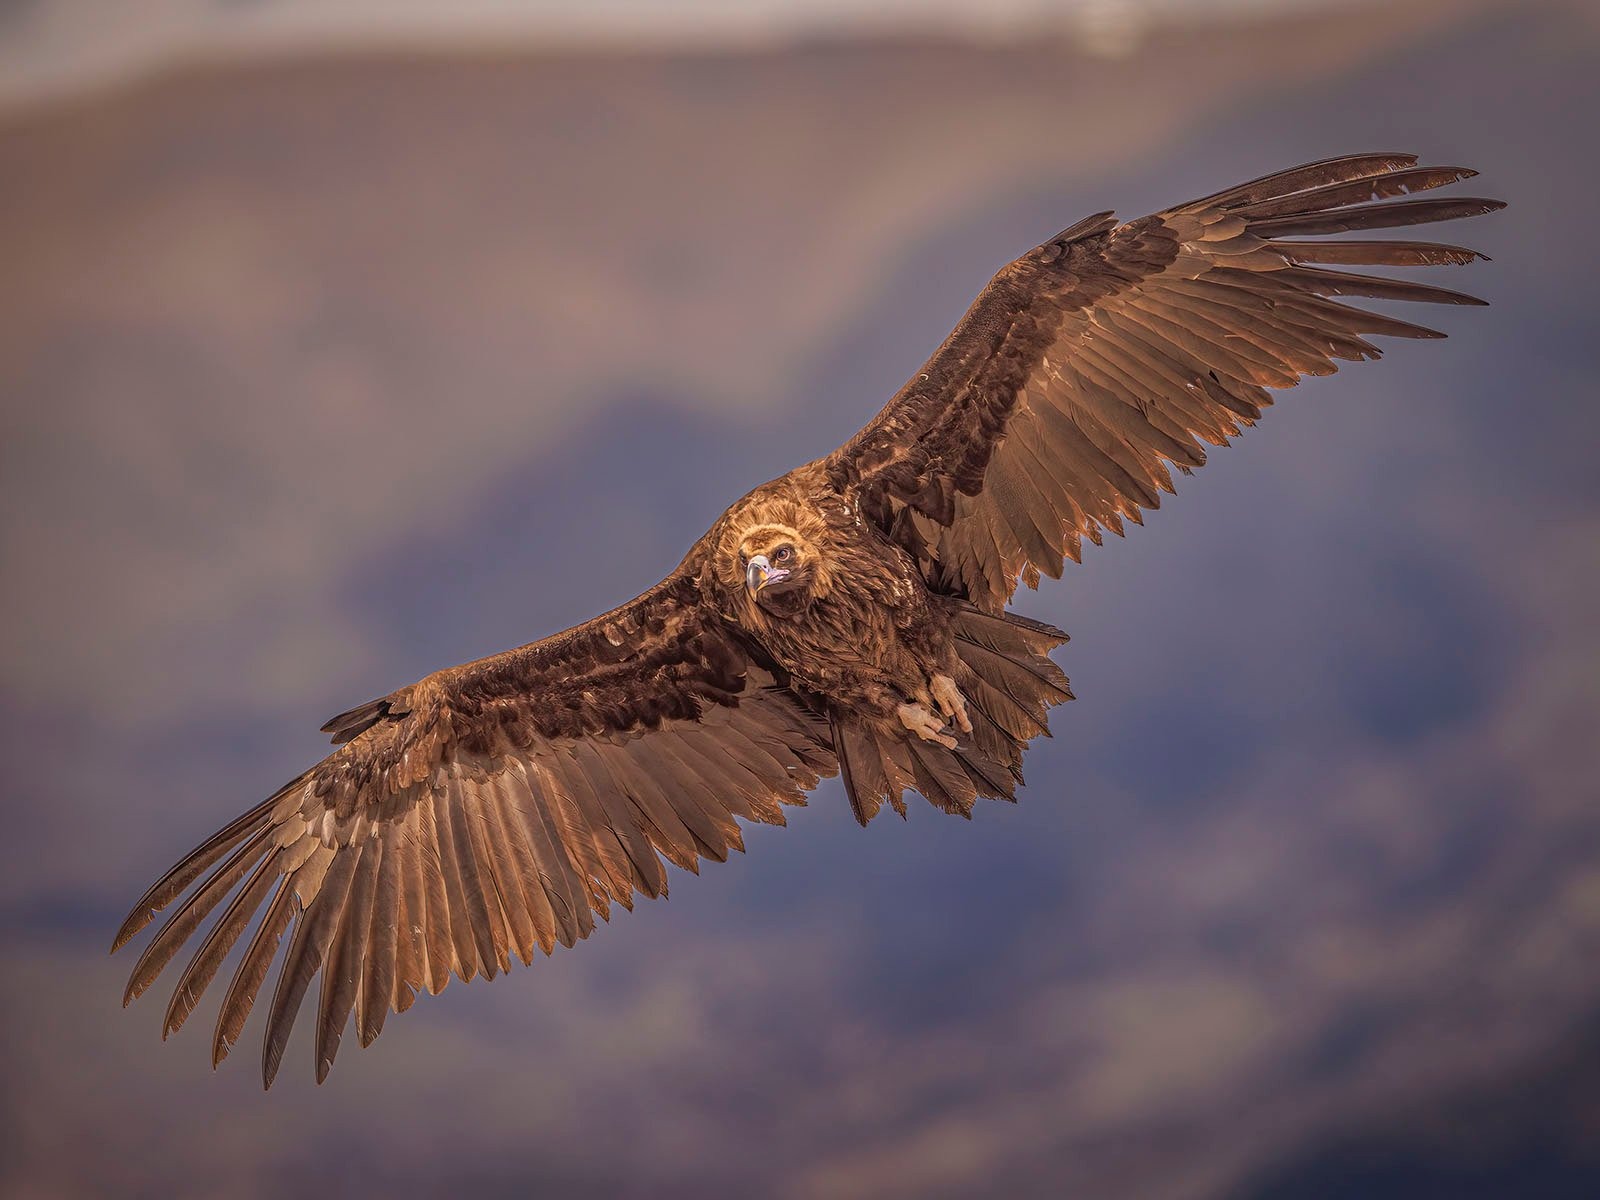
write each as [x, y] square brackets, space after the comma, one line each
[320, 371]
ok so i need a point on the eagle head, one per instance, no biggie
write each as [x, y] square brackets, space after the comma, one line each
[779, 568]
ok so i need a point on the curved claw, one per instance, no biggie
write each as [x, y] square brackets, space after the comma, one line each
[920, 720]
[950, 701]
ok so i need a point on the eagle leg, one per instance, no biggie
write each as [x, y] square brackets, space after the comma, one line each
[920, 720]
[950, 701]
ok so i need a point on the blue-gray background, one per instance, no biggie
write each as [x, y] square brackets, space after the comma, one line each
[320, 372]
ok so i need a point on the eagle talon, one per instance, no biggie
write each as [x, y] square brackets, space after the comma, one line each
[920, 720]
[950, 701]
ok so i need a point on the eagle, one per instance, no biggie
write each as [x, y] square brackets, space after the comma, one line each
[849, 618]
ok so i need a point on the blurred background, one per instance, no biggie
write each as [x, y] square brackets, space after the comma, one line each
[345, 340]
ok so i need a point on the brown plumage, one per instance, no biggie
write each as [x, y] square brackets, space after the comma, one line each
[849, 617]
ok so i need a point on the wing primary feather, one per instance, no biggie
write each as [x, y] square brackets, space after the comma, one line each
[1384, 215]
[188, 868]
[383, 946]
[1296, 179]
[346, 955]
[307, 948]
[187, 917]
[1338, 195]
[218, 941]
[251, 972]
[1350, 252]
[1344, 283]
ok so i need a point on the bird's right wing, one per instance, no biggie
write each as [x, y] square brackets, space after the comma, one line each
[490, 809]
[1112, 350]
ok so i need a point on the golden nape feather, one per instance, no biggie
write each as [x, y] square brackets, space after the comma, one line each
[849, 617]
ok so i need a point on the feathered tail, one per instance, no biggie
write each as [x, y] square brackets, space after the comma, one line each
[1009, 683]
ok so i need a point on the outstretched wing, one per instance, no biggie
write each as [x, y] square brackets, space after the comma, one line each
[1089, 364]
[488, 810]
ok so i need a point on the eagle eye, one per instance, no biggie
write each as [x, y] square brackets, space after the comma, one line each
[783, 554]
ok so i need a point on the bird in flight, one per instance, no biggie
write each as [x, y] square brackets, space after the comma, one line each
[847, 618]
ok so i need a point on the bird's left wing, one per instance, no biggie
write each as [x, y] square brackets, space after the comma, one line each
[488, 810]
[1094, 361]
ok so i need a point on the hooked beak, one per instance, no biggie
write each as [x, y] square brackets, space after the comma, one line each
[759, 572]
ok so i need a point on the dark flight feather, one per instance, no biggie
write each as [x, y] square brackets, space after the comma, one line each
[1299, 179]
[188, 869]
[218, 942]
[308, 947]
[341, 976]
[384, 939]
[188, 915]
